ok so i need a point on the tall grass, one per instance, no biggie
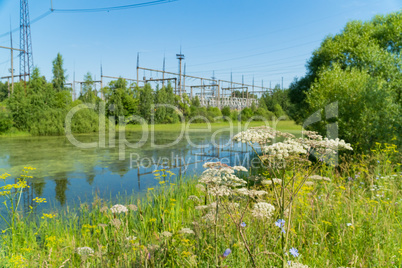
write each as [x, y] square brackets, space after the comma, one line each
[352, 221]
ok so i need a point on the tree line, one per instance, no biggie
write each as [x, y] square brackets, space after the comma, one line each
[40, 106]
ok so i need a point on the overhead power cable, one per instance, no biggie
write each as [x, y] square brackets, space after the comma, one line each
[107, 9]
[47, 13]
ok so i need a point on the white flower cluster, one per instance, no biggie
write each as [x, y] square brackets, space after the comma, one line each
[117, 209]
[263, 210]
[269, 181]
[220, 178]
[131, 238]
[186, 231]
[166, 234]
[83, 251]
[293, 264]
[309, 183]
[319, 178]
[323, 146]
[284, 149]
[258, 134]
[251, 193]
[193, 198]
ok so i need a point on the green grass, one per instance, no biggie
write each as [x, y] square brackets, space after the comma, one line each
[289, 126]
[352, 221]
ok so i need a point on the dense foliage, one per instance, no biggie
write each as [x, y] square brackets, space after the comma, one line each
[360, 68]
[40, 107]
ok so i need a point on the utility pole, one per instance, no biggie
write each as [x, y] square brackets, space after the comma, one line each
[163, 72]
[184, 78]
[12, 64]
[138, 66]
[26, 59]
[282, 82]
[180, 57]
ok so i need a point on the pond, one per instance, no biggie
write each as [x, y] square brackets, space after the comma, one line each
[67, 174]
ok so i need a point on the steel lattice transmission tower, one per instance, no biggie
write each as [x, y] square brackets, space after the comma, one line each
[26, 58]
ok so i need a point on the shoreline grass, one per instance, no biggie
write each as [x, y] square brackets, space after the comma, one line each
[352, 221]
[286, 125]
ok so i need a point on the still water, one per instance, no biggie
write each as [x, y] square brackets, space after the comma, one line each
[67, 174]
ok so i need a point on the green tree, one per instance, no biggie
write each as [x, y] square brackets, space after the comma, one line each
[3, 91]
[59, 77]
[146, 102]
[160, 111]
[88, 94]
[226, 111]
[366, 109]
[371, 51]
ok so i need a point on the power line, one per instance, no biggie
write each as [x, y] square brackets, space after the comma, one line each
[257, 54]
[107, 9]
[47, 13]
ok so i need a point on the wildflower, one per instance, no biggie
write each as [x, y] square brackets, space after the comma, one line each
[84, 251]
[243, 224]
[166, 234]
[318, 178]
[39, 200]
[281, 223]
[104, 209]
[226, 253]
[117, 209]
[309, 183]
[131, 238]
[201, 207]
[200, 187]
[194, 198]
[263, 210]
[150, 189]
[348, 224]
[132, 207]
[48, 216]
[293, 264]
[294, 252]
[152, 220]
[269, 181]
[240, 168]
[186, 231]
[116, 223]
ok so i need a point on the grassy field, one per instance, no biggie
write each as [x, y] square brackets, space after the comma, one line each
[352, 219]
[289, 126]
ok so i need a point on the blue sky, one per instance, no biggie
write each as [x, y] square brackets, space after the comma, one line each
[266, 40]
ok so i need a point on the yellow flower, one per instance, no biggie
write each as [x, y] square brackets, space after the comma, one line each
[152, 220]
[150, 189]
[39, 200]
[48, 216]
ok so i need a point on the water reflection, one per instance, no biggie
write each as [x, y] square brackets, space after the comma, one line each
[66, 174]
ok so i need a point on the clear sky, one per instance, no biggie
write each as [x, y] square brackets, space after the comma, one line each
[265, 39]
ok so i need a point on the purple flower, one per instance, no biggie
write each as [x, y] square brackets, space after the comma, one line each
[243, 224]
[294, 252]
[226, 253]
[378, 161]
[280, 223]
